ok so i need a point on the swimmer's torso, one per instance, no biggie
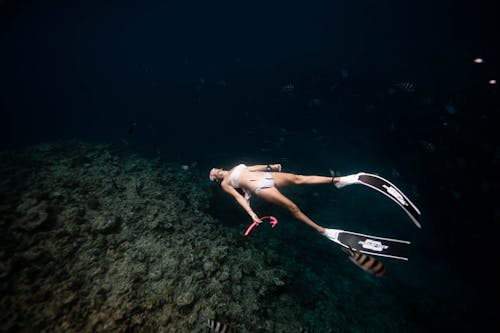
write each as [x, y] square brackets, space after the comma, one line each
[241, 177]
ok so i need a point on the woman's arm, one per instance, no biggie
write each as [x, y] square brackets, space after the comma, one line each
[241, 200]
[267, 167]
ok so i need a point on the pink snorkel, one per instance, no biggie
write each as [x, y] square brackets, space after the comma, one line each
[273, 221]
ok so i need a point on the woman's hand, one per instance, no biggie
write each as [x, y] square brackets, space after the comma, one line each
[255, 218]
[276, 167]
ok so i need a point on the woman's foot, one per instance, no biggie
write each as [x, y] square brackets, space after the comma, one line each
[346, 180]
[331, 234]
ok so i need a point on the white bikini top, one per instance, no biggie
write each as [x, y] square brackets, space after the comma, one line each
[234, 178]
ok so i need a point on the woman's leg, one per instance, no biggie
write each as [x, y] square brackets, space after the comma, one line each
[274, 196]
[283, 179]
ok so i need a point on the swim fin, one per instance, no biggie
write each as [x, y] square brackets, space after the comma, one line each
[387, 188]
[378, 246]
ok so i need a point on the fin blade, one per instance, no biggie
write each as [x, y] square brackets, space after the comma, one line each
[391, 191]
[377, 246]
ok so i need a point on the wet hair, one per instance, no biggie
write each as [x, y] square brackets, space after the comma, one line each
[211, 175]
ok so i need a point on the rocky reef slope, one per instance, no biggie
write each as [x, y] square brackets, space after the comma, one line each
[96, 240]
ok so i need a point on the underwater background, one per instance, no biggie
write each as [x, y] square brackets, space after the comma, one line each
[113, 113]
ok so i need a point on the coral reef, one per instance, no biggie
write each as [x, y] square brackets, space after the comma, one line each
[83, 251]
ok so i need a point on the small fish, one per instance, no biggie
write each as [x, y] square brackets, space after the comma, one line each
[406, 86]
[288, 88]
[114, 183]
[139, 187]
[314, 103]
[365, 262]
[427, 146]
[344, 73]
[450, 109]
[395, 173]
[217, 327]
[221, 83]
[131, 128]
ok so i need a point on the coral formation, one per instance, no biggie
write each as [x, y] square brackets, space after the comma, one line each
[81, 251]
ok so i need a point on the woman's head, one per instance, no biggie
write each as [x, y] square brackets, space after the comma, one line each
[216, 175]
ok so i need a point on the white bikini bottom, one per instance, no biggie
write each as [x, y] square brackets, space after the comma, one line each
[266, 182]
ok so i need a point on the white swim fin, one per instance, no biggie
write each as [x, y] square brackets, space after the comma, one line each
[372, 245]
[348, 180]
[387, 188]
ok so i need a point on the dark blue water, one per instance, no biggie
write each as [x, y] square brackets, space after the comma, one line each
[387, 87]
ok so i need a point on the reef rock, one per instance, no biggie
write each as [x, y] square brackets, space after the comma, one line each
[184, 299]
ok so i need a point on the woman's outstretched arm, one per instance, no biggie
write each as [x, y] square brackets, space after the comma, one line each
[241, 200]
[266, 167]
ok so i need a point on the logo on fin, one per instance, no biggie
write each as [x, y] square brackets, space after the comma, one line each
[374, 245]
[392, 191]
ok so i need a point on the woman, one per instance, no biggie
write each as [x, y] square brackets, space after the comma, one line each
[264, 181]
